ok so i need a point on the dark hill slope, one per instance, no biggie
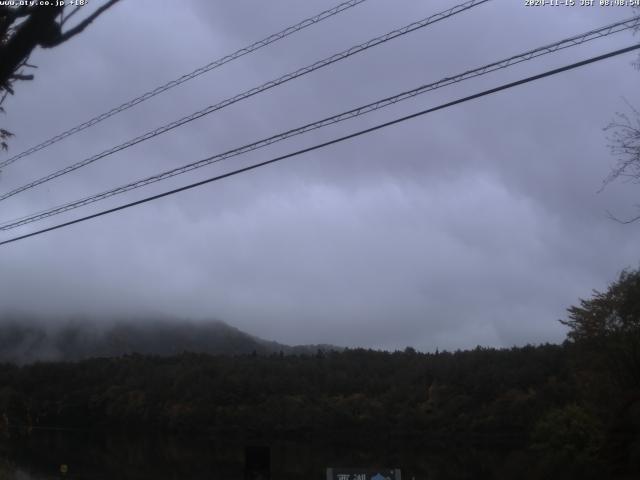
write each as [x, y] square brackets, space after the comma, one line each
[28, 340]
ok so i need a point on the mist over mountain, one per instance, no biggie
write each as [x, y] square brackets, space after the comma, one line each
[25, 339]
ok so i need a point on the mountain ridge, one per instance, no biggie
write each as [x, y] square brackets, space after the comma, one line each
[28, 340]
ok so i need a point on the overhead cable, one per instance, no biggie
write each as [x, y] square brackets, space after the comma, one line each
[184, 78]
[362, 110]
[330, 142]
[249, 93]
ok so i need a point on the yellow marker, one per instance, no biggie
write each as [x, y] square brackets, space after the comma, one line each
[64, 469]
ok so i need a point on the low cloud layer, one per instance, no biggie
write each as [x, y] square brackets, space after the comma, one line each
[479, 224]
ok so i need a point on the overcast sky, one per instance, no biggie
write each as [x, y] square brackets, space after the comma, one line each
[479, 224]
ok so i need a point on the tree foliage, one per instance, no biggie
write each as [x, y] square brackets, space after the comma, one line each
[478, 392]
[503, 398]
[607, 327]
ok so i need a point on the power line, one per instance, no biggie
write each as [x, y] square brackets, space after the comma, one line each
[184, 78]
[331, 142]
[362, 110]
[254, 91]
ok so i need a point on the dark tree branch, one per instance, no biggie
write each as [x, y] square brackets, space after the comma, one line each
[624, 143]
[24, 28]
[66, 18]
[16, 12]
[611, 216]
[38, 27]
[63, 37]
[20, 76]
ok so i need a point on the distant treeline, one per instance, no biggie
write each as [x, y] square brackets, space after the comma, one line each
[474, 392]
[577, 405]
[521, 397]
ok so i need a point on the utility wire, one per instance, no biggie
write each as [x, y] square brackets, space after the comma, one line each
[184, 78]
[331, 142]
[254, 91]
[362, 110]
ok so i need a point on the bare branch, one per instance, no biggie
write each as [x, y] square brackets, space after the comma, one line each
[24, 28]
[71, 14]
[624, 143]
[20, 76]
[4, 134]
[63, 37]
[611, 216]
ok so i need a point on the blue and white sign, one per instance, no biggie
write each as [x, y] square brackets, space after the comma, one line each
[363, 474]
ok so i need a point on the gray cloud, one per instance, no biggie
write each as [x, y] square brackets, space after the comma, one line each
[475, 225]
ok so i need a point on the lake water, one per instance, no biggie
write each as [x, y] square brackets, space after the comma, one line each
[155, 457]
